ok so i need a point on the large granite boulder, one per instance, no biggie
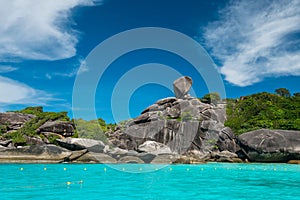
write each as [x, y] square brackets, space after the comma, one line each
[63, 128]
[74, 144]
[182, 86]
[14, 121]
[270, 145]
[154, 148]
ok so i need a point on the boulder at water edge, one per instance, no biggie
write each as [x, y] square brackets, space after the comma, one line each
[270, 145]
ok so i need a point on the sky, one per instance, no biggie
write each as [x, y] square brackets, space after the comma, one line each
[56, 53]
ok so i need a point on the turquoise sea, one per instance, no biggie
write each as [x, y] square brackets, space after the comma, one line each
[133, 181]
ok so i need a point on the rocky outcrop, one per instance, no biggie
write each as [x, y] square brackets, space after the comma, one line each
[75, 144]
[14, 121]
[270, 145]
[35, 153]
[178, 124]
[66, 129]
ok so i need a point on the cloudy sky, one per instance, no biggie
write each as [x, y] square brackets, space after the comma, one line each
[255, 46]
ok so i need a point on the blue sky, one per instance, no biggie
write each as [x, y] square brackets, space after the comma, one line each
[255, 46]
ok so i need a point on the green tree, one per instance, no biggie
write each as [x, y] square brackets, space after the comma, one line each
[93, 129]
[297, 94]
[213, 97]
[283, 92]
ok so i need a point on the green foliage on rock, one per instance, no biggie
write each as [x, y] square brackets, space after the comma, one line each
[93, 129]
[3, 129]
[186, 116]
[16, 137]
[32, 125]
[263, 110]
[52, 138]
[31, 110]
[213, 97]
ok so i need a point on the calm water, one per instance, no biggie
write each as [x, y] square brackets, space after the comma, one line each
[97, 181]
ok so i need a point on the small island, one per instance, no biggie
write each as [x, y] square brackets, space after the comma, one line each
[180, 129]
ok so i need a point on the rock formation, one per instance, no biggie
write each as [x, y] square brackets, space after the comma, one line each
[65, 129]
[270, 145]
[75, 144]
[182, 124]
[14, 121]
[179, 129]
[11, 122]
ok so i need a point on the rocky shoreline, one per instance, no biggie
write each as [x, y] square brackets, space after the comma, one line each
[179, 129]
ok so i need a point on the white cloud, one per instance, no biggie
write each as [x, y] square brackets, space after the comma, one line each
[256, 39]
[7, 68]
[36, 29]
[14, 92]
[48, 76]
[80, 68]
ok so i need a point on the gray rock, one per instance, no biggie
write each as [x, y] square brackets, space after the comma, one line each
[82, 143]
[96, 158]
[226, 140]
[76, 154]
[142, 118]
[188, 160]
[154, 148]
[130, 159]
[212, 125]
[13, 120]
[168, 101]
[270, 145]
[5, 143]
[163, 159]
[118, 151]
[174, 112]
[182, 86]
[146, 157]
[34, 140]
[65, 129]
[182, 124]
[223, 154]
[154, 107]
[35, 154]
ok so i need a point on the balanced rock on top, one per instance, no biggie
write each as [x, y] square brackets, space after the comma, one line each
[182, 86]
